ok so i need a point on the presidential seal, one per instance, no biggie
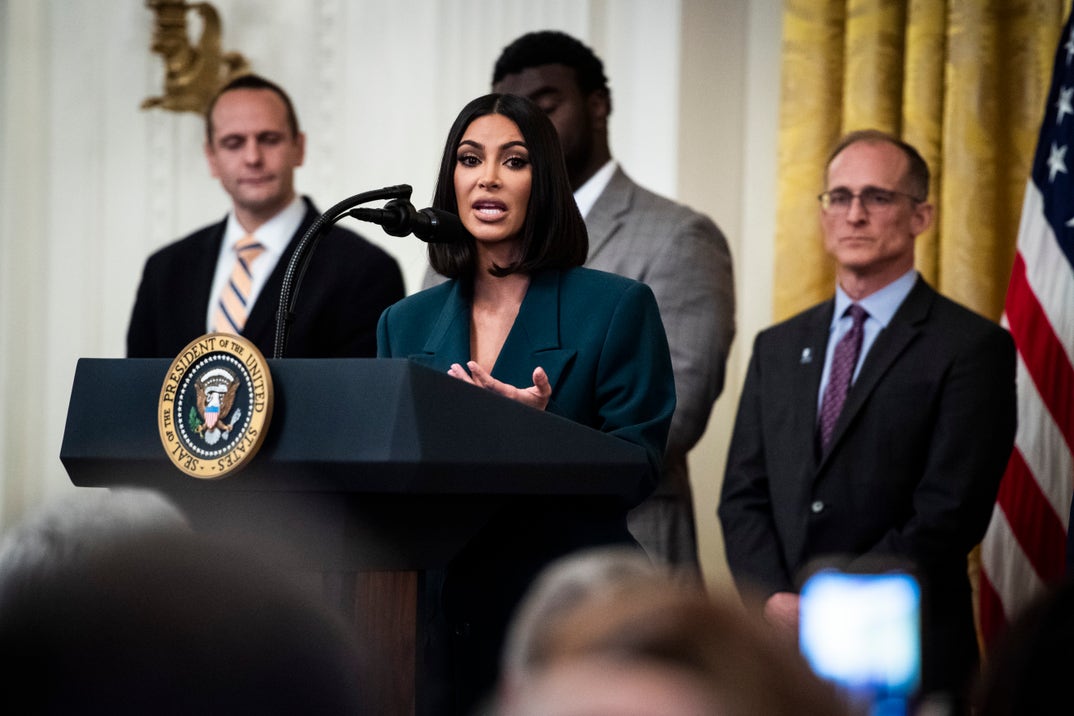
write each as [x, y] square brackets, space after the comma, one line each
[215, 406]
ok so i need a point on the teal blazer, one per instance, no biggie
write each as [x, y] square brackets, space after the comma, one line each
[598, 336]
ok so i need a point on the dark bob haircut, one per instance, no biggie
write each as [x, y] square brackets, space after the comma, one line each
[251, 81]
[553, 234]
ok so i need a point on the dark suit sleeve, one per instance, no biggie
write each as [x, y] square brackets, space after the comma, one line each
[140, 342]
[966, 456]
[379, 288]
[694, 288]
[751, 541]
[171, 302]
[349, 284]
[173, 295]
[384, 346]
[635, 387]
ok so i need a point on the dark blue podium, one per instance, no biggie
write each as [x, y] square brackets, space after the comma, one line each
[373, 473]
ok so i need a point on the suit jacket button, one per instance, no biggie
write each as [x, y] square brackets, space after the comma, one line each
[817, 507]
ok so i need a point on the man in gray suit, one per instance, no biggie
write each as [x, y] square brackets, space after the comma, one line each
[678, 252]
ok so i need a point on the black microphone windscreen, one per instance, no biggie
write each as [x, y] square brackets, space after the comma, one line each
[441, 227]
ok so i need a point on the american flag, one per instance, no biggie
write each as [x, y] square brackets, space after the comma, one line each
[1024, 549]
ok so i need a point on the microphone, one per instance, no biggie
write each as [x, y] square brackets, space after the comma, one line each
[399, 218]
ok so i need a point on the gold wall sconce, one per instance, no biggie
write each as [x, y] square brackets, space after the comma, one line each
[192, 73]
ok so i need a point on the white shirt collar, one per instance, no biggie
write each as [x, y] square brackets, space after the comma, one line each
[274, 234]
[587, 194]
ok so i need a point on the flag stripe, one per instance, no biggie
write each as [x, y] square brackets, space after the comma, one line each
[1044, 357]
[991, 615]
[1013, 576]
[1042, 447]
[1035, 522]
[1044, 264]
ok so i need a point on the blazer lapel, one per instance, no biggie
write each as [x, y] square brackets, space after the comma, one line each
[449, 339]
[803, 364]
[200, 283]
[607, 214]
[886, 349]
[534, 339]
[261, 323]
[810, 355]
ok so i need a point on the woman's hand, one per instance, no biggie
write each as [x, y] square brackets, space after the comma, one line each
[536, 396]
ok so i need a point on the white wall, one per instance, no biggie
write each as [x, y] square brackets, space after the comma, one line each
[90, 184]
[727, 168]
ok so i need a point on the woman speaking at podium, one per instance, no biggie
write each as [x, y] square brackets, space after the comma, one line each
[520, 317]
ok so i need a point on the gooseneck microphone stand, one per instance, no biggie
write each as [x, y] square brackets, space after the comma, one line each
[296, 267]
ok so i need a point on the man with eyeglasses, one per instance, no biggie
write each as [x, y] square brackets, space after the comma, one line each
[874, 426]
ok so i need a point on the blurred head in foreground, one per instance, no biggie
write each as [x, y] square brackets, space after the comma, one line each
[144, 616]
[561, 587]
[646, 643]
[1028, 670]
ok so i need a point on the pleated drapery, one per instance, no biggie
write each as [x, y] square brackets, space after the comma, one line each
[963, 80]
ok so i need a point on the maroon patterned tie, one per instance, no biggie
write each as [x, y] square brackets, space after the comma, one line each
[843, 361]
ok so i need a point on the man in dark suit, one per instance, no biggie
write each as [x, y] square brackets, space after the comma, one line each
[909, 467]
[678, 252]
[197, 285]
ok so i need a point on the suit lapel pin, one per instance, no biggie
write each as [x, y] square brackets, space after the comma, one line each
[807, 356]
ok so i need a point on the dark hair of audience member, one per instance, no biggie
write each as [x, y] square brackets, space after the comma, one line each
[551, 47]
[1027, 671]
[157, 619]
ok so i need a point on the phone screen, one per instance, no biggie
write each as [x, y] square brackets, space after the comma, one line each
[863, 632]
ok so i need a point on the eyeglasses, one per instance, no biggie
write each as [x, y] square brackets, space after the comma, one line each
[872, 199]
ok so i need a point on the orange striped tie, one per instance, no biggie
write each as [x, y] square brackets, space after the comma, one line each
[232, 308]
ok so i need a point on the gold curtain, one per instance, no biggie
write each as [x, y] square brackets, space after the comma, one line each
[964, 81]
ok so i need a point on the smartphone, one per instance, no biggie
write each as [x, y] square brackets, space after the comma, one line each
[863, 632]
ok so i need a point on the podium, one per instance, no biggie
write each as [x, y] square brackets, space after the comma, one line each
[373, 474]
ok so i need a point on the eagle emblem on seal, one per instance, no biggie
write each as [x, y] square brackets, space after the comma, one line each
[216, 390]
